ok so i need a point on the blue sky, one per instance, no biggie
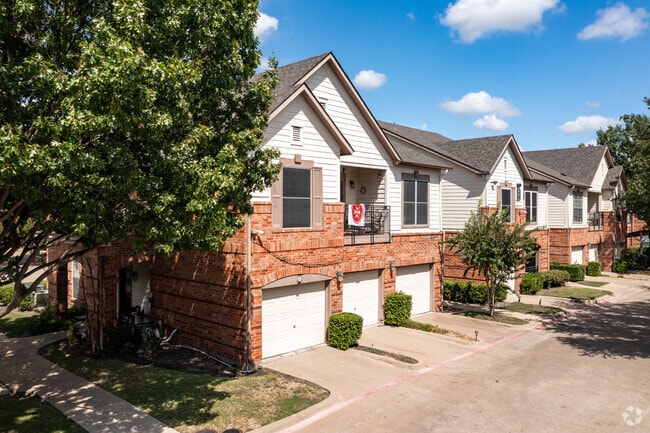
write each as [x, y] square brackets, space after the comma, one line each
[550, 72]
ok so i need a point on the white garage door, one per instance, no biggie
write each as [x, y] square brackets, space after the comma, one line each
[576, 255]
[415, 281]
[593, 253]
[293, 318]
[361, 295]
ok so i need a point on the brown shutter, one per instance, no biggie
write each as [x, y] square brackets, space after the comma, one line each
[317, 197]
[276, 203]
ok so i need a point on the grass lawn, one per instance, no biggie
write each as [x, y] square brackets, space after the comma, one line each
[500, 318]
[427, 327]
[19, 323]
[593, 283]
[20, 414]
[576, 293]
[193, 402]
[520, 307]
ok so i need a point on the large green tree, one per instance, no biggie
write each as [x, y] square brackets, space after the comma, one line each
[629, 144]
[494, 248]
[127, 119]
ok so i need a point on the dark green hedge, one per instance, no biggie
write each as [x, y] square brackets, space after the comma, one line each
[344, 330]
[470, 292]
[397, 309]
[636, 261]
[555, 278]
[531, 283]
[619, 266]
[576, 271]
[594, 269]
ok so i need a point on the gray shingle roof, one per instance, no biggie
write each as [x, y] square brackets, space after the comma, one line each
[613, 176]
[543, 173]
[579, 163]
[290, 75]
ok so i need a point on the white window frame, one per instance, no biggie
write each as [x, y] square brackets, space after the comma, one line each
[420, 181]
[532, 193]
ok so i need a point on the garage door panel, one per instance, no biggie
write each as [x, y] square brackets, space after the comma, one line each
[415, 281]
[293, 318]
[576, 255]
[361, 295]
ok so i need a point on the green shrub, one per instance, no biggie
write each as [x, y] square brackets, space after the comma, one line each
[344, 330]
[576, 271]
[619, 266]
[555, 278]
[531, 283]
[77, 310]
[469, 292]
[397, 309]
[632, 250]
[26, 304]
[6, 294]
[594, 269]
[150, 341]
[636, 261]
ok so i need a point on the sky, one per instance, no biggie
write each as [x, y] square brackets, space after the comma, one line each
[550, 72]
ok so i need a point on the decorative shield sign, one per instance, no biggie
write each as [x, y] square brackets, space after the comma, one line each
[356, 215]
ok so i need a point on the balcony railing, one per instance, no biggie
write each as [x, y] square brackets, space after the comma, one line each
[595, 221]
[376, 228]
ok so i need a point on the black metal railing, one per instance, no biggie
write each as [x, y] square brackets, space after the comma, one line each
[375, 229]
[595, 221]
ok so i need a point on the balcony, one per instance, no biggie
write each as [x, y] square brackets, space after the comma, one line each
[595, 221]
[375, 228]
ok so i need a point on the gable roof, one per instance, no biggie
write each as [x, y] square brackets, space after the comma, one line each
[479, 155]
[579, 163]
[292, 83]
[542, 173]
[614, 176]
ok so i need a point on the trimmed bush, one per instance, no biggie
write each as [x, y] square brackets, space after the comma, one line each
[6, 294]
[632, 250]
[531, 283]
[26, 304]
[619, 266]
[594, 269]
[344, 330]
[397, 309]
[469, 292]
[636, 261]
[576, 271]
[555, 278]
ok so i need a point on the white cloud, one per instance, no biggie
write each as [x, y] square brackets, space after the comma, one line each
[369, 79]
[617, 21]
[592, 104]
[474, 19]
[410, 15]
[587, 124]
[591, 143]
[481, 103]
[490, 121]
[265, 25]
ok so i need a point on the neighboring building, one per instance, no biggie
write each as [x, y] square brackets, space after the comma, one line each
[301, 256]
[584, 207]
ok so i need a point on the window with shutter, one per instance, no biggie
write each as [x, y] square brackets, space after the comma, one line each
[297, 195]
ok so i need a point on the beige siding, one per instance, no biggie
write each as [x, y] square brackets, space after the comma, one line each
[368, 152]
[599, 177]
[506, 171]
[558, 205]
[607, 204]
[395, 193]
[461, 193]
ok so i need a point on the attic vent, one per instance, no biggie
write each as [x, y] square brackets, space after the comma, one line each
[296, 133]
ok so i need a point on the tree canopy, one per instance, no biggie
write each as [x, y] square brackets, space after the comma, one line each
[132, 119]
[629, 144]
[490, 245]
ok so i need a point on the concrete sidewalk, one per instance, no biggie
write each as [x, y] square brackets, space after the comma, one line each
[96, 410]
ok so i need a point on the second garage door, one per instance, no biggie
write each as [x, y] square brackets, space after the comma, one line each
[576, 255]
[361, 295]
[293, 317]
[415, 281]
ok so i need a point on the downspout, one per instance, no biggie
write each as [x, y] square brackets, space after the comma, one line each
[246, 367]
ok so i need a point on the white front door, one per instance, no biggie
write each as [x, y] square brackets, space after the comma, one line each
[593, 253]
[361, 295]
[576, 255]
[415, 281]
[293, 317]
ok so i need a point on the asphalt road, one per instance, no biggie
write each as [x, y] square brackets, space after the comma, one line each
[589, 372]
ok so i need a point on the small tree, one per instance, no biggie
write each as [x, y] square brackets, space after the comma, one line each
[493, 247]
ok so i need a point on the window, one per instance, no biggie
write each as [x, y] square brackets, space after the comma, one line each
[415, 203]
[296, 197]
[507, 202]
[531, 206]
[75, 279]
[577, 206]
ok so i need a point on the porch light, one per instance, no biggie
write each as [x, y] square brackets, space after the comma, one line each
[391, 266]
[339, 276]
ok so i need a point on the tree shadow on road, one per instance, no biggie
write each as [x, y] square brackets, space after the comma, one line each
[608, 330]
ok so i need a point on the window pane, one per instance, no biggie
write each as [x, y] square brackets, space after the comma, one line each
[422, 192]
[296, 212]
[505, 198]
[409, 213]
[422, 217]
[296, 182]
[409, 191]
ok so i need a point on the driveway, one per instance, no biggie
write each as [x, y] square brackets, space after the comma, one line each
[589, 371]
